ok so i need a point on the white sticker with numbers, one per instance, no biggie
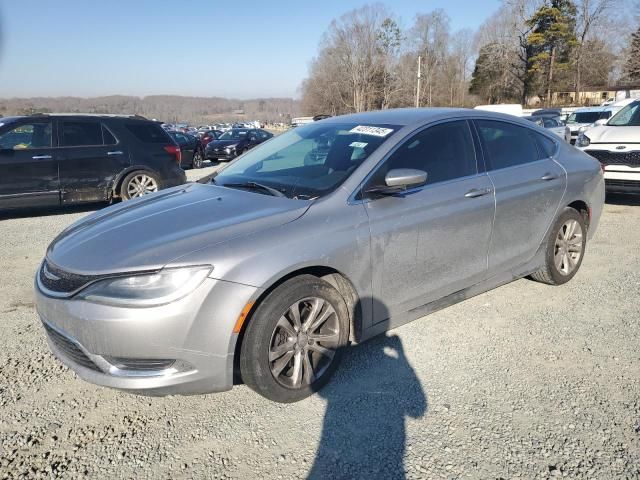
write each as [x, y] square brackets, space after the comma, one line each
[375, 131]
[358, 144]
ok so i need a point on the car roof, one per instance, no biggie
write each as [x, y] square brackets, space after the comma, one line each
[590, 109]
[417, 116]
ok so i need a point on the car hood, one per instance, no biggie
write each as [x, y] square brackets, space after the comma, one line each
[607, 134]
[150, 232]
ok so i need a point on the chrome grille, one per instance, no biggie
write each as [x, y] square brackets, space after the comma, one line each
[607, 157]
[60, 281]
[140, 364]
[70, 349]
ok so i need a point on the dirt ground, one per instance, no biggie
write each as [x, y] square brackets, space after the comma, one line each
[526, 381]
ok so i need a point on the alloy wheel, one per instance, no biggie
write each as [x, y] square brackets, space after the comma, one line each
[568, 247]
[304, 342]
[140, 185]
[197, 160]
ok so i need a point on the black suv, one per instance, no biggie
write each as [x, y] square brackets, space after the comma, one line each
[62, 159]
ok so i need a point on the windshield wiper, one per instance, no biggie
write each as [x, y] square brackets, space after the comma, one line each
[256, 186]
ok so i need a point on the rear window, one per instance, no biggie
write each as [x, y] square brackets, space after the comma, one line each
[77, 134]
[546, 145]
[148, 132]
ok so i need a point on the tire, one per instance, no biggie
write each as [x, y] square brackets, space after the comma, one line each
[139, 183]
[197, 160]
[564, 249]
[276, 350]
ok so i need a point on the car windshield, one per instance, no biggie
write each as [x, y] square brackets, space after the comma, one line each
[307, 162]
[583, 117]
[234, 134]
[629, 116]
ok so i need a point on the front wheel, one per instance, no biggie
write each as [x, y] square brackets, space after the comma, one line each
[564, 250]
[294, 340]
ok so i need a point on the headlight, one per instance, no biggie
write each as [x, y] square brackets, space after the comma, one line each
[230, 148]
[583, 140]
[147, 290]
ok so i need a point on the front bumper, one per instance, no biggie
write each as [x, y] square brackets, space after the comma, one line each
[622, 179]
[196, 332]
[211, 154]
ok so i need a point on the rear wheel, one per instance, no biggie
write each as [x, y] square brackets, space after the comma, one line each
[137, 184]
[295, 340]
[564, 250]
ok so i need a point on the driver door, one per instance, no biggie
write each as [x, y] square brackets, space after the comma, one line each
[28, 164]
[433, 240]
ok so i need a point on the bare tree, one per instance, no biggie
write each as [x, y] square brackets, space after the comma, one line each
[430, 35]
[589, 14]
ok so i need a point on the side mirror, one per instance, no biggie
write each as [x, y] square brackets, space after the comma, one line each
[398, 180]
[602, 121]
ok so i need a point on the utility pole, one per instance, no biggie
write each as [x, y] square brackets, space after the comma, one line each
[419, 77]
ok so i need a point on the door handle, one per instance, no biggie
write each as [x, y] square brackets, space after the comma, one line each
[548, 176]
[115, 152]
[477, 192]
[42, 157]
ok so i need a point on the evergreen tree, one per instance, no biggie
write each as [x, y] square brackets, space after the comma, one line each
[551, 41]
[491, 78]
[632, 66]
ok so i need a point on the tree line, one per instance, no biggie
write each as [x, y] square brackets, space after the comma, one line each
[522, 53]
[167, 108]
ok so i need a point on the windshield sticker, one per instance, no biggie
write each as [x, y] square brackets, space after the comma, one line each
[375, 131]
[358, 144]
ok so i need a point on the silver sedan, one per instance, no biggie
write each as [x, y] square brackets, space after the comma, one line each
[324, 236]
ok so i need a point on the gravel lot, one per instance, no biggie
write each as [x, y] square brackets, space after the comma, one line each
[525, 381]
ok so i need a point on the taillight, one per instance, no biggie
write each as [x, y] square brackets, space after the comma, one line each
[174, 150]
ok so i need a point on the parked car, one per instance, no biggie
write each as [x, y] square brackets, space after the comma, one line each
[63, 159]
[235, 142]
[208, 136]
[549, 123]
[616, 145]
[274, 266]
[190, 149]
[586, 117]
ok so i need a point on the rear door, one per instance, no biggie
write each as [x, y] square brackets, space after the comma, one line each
[529, 186]
[29, 170]
[90, 158]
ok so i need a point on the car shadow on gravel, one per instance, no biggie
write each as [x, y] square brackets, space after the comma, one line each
[368, 400]
[622, 199]
[48, 211]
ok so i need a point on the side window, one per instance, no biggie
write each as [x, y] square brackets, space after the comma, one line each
[27, 136]
[76, 134]
[107, 136]
[148, 132]
[546, 146]
[505, 144]
[444, 151]
[550, 123]
[263, 135]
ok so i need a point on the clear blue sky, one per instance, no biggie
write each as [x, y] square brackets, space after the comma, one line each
[208, 48]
